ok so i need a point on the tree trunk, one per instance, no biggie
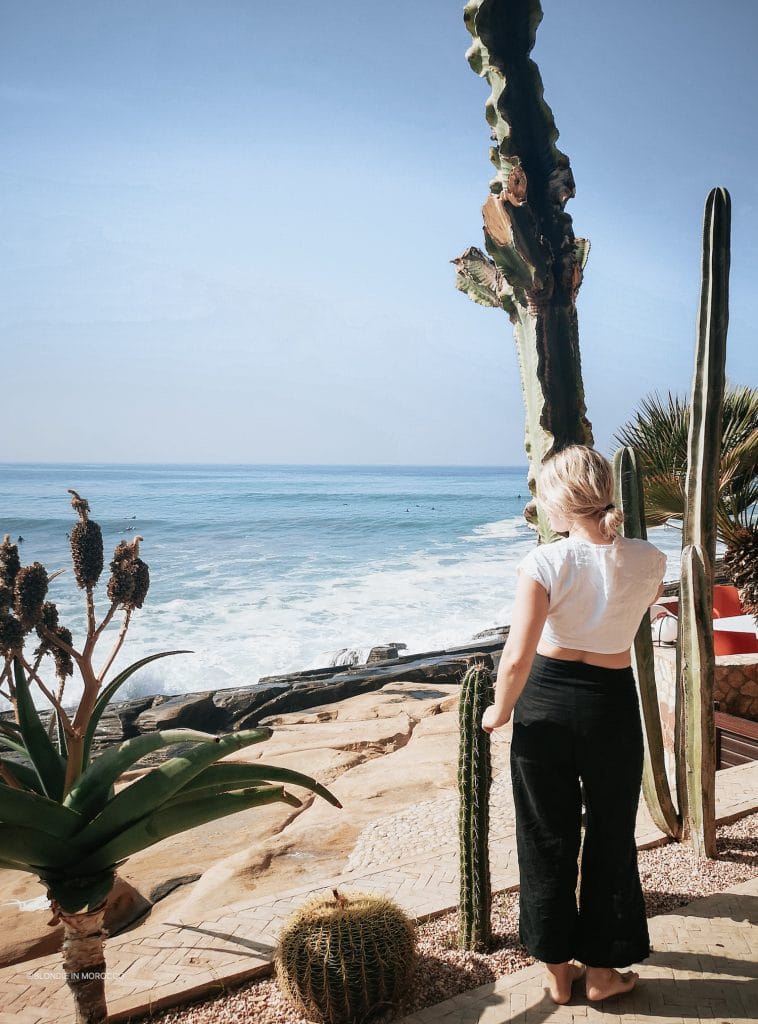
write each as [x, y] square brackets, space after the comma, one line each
[84, 964]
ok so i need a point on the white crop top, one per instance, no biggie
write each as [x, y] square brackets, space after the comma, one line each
[598, 592]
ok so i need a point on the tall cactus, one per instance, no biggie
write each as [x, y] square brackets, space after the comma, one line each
[630, 498]
[474, 781]
[535, 263]
[694, 738]
[695, 731]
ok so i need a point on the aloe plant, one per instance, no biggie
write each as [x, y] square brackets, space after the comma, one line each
[61, 816]
[534, 264]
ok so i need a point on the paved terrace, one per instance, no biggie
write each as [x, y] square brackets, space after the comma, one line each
[704, 956]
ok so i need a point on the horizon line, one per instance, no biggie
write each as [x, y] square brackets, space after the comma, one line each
[283, 465]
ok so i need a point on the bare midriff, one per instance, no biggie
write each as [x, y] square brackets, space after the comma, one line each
[622, 659]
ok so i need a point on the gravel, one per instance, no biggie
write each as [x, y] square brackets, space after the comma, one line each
[671, 877]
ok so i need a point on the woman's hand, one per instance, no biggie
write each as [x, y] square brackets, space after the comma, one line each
[491, 719]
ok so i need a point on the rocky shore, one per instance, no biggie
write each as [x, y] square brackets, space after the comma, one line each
[232, 709]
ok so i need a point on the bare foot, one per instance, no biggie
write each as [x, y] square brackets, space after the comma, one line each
[604, 982]
[560, 978]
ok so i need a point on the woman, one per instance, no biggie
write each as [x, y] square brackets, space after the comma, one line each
[578, 605]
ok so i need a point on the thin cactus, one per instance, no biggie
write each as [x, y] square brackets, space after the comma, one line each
[474, 781]
[630, 499]
[695, 731]
[535, 263]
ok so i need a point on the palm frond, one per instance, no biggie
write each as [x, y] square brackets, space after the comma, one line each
[658, 433]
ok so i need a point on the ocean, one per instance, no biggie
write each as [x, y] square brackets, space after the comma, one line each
[270, 569]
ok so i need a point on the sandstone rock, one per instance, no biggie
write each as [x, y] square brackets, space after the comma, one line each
[241, 703]
[188, 711]
[26, 933]
[117, 722]
[384, 653]
[317, 843]
[160, 892]
[304, 693]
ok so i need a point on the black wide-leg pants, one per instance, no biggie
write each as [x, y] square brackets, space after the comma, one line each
[577, 722]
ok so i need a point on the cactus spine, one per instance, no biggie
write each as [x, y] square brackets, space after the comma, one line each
[630, 498]
[346, 958]
[695, 731]
[474, 781]
[535, 263]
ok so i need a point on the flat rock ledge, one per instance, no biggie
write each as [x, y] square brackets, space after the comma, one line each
[236, 708]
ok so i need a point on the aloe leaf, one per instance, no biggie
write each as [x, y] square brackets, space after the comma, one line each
[146, 794]
[219, 789]
[9, 744]
[12, 865]
[50, 766]
[75, 893]
[168, 821]
[106, 696]
[91, 790]
[239, 776]
[25, 845]
[26, 776]
[61, 734]
[19, 808]
[9, 728]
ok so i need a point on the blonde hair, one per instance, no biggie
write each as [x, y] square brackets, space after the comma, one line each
[578, 481]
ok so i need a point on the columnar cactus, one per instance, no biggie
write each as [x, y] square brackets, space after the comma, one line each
[695, 731]
[474, 781]
[346, 958]
[630, 499]
[694, 740]
[535, 263]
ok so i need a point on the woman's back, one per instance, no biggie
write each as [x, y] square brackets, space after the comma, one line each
[597, 593]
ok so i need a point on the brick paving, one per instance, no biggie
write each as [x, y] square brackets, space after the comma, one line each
[169, 963]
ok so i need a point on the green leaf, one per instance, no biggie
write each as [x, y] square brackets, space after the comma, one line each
[12, 865]
[18, 807]
[168, 821]
[659, 433]
[9, 744]
[142, 797]
[50, 766]
[61, 735]
[26, 776]
[239, 776]
[106, 696]
[75, 893]
[25, 845]
[90, 792]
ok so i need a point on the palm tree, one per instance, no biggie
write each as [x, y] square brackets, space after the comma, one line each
[659, 434]
[61, 816]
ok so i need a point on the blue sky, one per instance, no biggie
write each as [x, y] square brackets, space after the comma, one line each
[226, 227]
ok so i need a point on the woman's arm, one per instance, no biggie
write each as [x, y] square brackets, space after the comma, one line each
[529, 613]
